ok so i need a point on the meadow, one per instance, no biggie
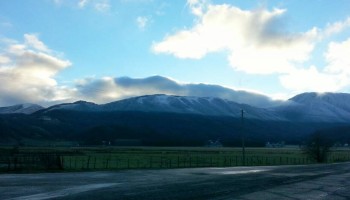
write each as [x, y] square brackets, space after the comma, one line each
[120, 158]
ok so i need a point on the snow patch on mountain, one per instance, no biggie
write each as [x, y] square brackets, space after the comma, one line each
[211, 106]
[26, 108]
[76, 106]
[306, 107]
[317, 107]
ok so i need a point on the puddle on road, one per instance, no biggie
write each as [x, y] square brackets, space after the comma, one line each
[243, 171]
[65, 192]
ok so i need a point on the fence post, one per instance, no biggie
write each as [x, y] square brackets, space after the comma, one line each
[107, 160]
[116, 162]
[82, 163]
[88, 163]
[59, 161]
[178, 161]
[95, 162]
[9, 164]
[75, 163]
[15, 162]
[150, 162]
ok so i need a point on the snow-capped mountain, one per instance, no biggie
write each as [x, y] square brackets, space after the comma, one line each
[189, 105]
[317, 107]
[158, 119]
[163, 85]
[76, 106]
[21, 108]
[306, 107]
[173, 104]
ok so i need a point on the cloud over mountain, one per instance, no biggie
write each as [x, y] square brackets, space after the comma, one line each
[256, 42]
[27, 72]
[110, 89]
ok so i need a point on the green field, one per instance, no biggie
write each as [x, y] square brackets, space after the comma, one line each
[113, 158]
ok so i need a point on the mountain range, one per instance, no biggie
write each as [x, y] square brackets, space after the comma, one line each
[176, 120]
[209, 106]
[306, 107]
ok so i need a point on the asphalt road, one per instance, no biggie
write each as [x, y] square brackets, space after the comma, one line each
[281, 182]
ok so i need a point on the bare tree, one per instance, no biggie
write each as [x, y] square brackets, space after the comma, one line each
[317, 147]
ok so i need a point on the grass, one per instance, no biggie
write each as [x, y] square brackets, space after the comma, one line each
[117, 158]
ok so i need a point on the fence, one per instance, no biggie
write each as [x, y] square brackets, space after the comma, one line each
[54, 161]
[31, 162]
[158, 162]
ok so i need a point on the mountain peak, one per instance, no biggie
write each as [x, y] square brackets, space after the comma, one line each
[304, 97]
[84, 102]
[326, 97]
[312, 106]
[26, 108]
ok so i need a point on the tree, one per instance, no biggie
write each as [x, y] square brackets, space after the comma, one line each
[318, 146]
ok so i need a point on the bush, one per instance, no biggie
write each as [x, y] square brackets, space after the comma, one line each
[318, 146]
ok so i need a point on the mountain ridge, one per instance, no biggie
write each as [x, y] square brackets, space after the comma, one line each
[211, 106]
[177, 120]
[26, 108]
[311, 106]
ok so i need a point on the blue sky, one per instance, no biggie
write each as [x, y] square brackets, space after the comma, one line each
[51, 49]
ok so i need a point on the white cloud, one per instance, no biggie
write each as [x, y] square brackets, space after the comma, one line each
[107, 89]
[102, 6]
[32, 40]
[338, 57]
[142, 22]
[82, 3]
[333, 77]
[28, 73]
[336, 27]
[4, 59]
[255, 40]
[98, 5]
[313, 80]
[198, 7]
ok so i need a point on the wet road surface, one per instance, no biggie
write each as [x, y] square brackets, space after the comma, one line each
[331, 181]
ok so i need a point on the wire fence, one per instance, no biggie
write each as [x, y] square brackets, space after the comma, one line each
[59, 162]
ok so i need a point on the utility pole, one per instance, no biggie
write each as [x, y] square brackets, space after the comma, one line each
[243, 135]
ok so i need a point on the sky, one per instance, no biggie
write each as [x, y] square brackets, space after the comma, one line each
[54, 51]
